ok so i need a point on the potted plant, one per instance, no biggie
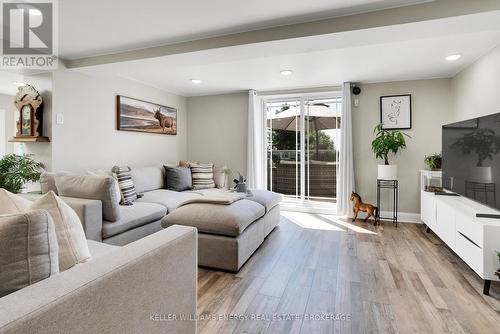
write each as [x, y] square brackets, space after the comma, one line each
[17, 170]
[433, 161]
[387, 142]
[485, 144]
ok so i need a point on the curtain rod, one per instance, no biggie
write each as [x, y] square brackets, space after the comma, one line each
[300, 91]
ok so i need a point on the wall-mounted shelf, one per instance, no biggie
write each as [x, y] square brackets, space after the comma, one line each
[29, 139]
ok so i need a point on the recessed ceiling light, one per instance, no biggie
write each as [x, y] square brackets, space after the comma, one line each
[453, 57]
[286, 72]
[18, 83]
[196, 81]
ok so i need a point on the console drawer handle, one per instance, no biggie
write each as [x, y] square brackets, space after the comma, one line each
[463, 235]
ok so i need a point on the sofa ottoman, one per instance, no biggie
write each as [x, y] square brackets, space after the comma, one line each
[228, 235]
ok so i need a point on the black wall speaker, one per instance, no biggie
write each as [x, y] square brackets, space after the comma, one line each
[356, 90]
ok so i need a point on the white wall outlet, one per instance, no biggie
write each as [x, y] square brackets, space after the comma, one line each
[59, 119]
[356, 103]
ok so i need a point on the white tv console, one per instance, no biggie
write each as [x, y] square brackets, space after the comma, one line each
[453, 219]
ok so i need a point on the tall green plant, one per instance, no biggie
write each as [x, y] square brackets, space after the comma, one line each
[387, 142]
[17, 170]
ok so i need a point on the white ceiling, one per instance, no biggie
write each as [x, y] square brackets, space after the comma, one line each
[92, 27]
[409, 51]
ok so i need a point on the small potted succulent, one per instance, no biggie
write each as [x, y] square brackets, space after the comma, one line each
[387, 142]
[433, 161]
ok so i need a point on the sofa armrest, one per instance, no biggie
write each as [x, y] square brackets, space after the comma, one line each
[90, 213]
[132, 289]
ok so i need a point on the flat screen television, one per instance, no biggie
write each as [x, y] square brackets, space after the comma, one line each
[471, 159]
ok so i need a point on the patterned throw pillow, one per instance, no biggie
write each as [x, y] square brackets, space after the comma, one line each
[126, 184]
[202, 176]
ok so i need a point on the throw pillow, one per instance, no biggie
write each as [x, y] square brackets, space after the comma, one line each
[102, 188]
[11, 203]
[202, 175]
[28, 250]
[126, 184]
[73, 246]
[178, 178]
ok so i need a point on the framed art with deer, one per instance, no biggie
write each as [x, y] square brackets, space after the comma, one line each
[395, 112]
[142, 116]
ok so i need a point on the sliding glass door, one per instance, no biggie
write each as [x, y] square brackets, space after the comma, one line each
[283, 119]
[302, 147]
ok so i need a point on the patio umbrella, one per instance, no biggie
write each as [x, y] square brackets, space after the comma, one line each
[320, 117]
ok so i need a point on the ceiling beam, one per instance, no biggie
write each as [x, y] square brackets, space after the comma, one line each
[433, 10]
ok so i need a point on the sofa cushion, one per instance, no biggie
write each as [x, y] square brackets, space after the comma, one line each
[148, 178]
[48, 181]
[168, 198]
[28, 250]
[101, 172]
[133, 216]
[73, 247]
[229, 220]
[178, 178]
[102, 188]
[99, 249]
[11, 203]
[266, 198]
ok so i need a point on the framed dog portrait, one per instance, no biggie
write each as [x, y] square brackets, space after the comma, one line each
[395, 112]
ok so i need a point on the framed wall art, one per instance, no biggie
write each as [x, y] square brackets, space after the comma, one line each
[395, 112]
[142, 116]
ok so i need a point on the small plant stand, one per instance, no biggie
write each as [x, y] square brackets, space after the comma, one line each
[394, 186]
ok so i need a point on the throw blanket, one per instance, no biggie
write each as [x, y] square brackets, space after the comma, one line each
[221, 199]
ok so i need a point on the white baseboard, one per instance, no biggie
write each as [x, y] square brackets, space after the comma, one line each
[403, 217]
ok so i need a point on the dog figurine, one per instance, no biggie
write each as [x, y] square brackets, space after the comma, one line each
[363, 207]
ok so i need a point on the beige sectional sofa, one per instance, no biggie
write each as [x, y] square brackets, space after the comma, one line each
[145, 215]
[125, 289]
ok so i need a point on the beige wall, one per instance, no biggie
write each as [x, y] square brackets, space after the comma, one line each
[7, 131]
[217, 130]
[88, 139]
[430, 110]
[476, 90]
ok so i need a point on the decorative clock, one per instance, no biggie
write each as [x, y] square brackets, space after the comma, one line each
[29, 104]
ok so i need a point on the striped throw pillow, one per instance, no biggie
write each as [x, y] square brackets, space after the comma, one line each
[202, 176]
[126, 184]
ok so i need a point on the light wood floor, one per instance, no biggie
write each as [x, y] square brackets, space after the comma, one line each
[387, 280]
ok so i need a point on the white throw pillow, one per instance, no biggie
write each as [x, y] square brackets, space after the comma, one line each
[73, 246]
[11, 203]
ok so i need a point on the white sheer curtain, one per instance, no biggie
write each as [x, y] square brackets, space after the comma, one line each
[345, 172]
[256, 153]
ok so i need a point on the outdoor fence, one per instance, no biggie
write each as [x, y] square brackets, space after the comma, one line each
[322, 179]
